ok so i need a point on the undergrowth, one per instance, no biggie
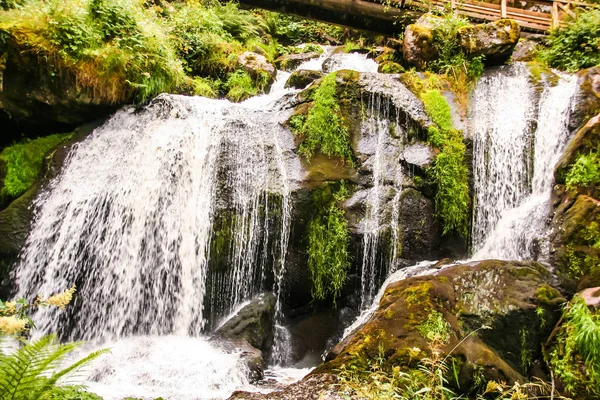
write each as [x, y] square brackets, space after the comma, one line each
[24, 162]
[131, 50]
[575, 358]
[585, 171]
[323, 129]
[449, 172]
[576, 45]
[328, 239]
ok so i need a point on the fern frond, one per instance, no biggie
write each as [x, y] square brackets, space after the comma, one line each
[29, 372]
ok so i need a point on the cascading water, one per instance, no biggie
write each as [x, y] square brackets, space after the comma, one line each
[168, 218]
[386, 178]
[513, 161]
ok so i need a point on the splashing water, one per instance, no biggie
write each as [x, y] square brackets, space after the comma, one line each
[130, 220]
[514, 162]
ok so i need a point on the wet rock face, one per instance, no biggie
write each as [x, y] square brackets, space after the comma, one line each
[289, 62]
[37, 100]
[302, 78]
[321, 387]
[253, 323]
[511, 300]
[495, 40]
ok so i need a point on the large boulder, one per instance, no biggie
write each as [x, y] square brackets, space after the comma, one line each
[495, 40]
[253, 323]
[258, 67]
[418, 47]
[288, 62]
[510, 305]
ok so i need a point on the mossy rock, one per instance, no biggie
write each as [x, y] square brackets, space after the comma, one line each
[418, 47]
[390, 67]
[302, 78]
[495, 40]
[289, 62]
[497, 294]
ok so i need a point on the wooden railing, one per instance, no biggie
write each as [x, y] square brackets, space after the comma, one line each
[540, 15]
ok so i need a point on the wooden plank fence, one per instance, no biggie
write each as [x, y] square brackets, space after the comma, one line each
[540, 15]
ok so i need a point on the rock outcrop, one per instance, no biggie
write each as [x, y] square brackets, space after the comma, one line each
[419, 48]
[36, 99]
[510, 305]
[321, 387]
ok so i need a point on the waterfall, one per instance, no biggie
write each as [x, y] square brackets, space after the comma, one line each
[132, 219]
[513, 161]
[385, 187]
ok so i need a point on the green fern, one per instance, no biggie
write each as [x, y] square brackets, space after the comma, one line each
[32, 372]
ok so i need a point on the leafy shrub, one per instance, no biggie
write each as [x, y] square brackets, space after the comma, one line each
[291, 30]
[575, 46]
[323, 130]
[24, 162]
[328, 257]
[585, 171]
[575, 358]
[240, 86]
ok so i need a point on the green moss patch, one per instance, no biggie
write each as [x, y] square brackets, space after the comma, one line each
[24, 162]
[323, 129]
[449, 172]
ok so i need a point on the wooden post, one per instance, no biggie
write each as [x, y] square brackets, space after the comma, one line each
[503, 9]
[453, 4]
[555, 20]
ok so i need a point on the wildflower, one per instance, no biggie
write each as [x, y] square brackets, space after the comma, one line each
[493, 386]
[62, 299]
[414, 352]
[10, 307]
[12, 325]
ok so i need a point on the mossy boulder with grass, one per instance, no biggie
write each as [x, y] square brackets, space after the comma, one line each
[288, 62]
[419, 46]
[495, 40]
[40, 97]
[302, 78]
[258, 68]
[490, 317]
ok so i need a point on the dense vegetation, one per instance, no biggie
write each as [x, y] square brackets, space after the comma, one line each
[24, 163]
[126, 50]
[575, 357]
[323, 129]
[575, 46]
[328, 239]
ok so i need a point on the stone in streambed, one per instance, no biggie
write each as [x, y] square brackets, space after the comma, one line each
[302, 78]
[495, 40]
[288, 62]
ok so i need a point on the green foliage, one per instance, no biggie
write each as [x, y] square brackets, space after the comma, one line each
[435, 328]
[32, 372]
[575, 358]
[70, 393]
[240, 86]
[328, 257]
[291, 30]
[576, 45]
[324, 129]
[24, 162]
[450, 172]
[585, 171]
